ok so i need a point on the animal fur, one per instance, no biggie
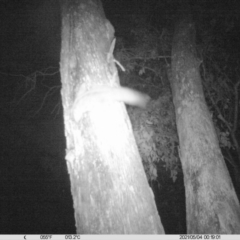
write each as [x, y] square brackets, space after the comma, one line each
[86, 101]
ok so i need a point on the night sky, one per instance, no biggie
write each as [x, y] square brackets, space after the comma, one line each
[35, 195]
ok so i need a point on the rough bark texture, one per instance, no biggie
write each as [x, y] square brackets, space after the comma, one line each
[211, 202]
[109, 187]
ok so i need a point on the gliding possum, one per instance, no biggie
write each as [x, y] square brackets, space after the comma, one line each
[88, 100]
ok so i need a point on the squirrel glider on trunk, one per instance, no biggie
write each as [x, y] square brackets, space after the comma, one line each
[87, 100]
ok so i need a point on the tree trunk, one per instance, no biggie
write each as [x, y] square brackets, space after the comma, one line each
[109, 187]
[211, 202]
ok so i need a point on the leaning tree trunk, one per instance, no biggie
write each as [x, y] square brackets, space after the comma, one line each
[211, 202]
[108, 184]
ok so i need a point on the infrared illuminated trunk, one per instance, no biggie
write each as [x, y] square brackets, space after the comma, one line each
[109, 187]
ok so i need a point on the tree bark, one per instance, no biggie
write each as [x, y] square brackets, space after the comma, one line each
[211, 202]
[108, 184]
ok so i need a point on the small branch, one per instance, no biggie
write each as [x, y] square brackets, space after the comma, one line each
[49, 93]
[220, 116]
